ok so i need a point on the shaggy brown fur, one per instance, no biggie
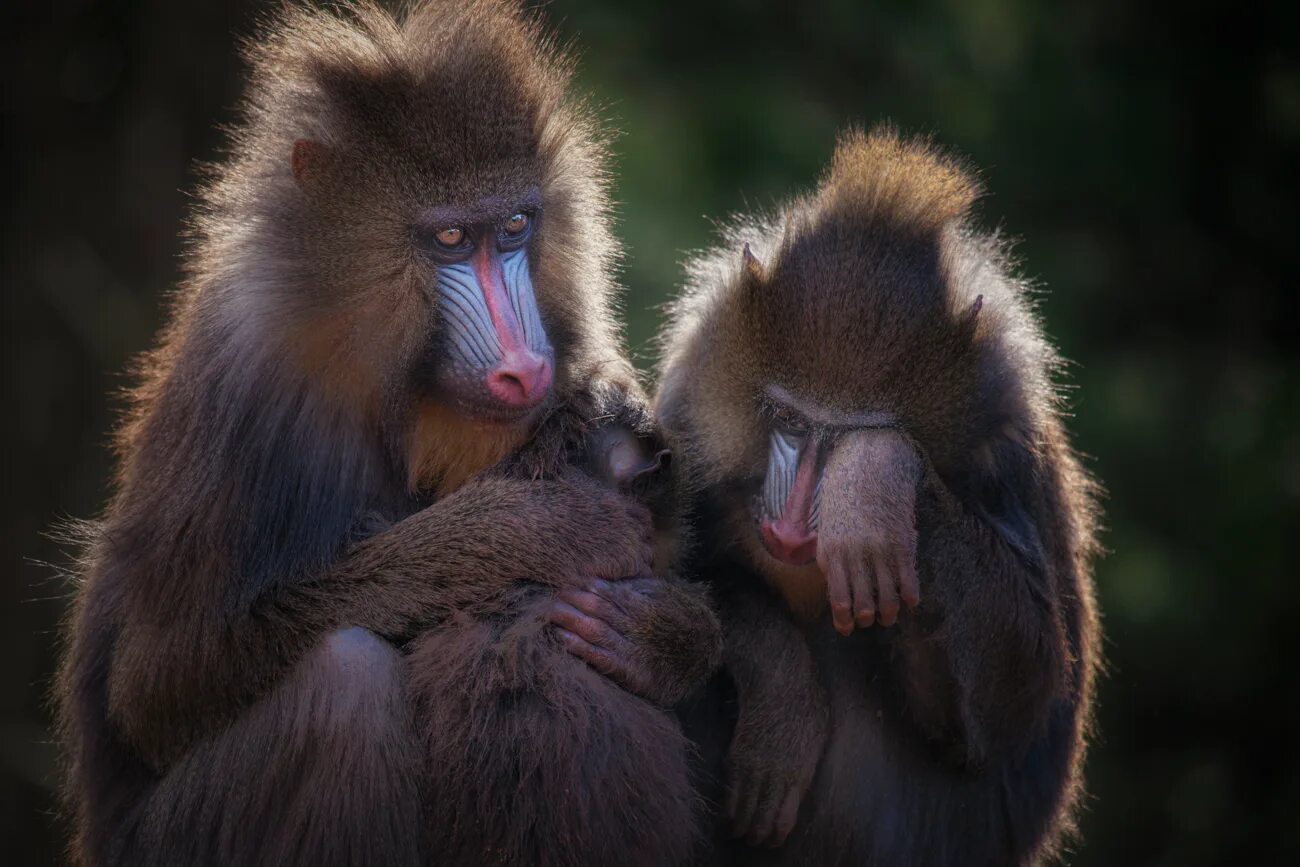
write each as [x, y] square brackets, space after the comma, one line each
[957, 736]
[291, 500]
[544, 761]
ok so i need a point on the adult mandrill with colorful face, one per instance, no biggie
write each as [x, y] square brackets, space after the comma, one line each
[896, 527]
[368, 428]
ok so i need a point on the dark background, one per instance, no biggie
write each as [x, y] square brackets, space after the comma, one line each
[1147, 160]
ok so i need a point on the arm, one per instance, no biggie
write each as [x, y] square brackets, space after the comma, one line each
[984, 653]
[783, 717]
[182, 667]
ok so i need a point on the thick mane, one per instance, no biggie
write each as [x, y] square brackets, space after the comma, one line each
[879, 185]
[879, 280]
[266, 464]
[906, 184]
[307, 62]
[444, 86]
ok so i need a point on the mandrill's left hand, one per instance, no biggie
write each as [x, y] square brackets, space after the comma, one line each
[658, 638]
[866, 539]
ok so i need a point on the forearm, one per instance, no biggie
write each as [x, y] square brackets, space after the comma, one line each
[782, 721]
[180, 672]
[775, 676]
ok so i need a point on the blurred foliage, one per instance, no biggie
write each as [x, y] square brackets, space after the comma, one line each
[1146, 157]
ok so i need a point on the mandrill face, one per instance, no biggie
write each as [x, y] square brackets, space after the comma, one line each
[448, 227]
[496, 361]
[802, 437]
[437, 276]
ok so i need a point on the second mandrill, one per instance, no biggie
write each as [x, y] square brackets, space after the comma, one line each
[898, 532]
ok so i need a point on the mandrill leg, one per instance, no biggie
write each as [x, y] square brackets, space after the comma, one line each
[537, 760]
[320, 771]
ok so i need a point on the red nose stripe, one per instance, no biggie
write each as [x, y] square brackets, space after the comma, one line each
[487, 267]
[523, 377]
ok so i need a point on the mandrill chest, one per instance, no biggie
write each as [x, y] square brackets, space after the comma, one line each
[804, 590]
[802, 586]
[445, 448]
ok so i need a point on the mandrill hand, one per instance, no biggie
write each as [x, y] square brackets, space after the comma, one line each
[772, 759]
[657, 638]
[866, 540]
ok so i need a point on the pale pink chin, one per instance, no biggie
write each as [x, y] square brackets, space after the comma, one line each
[796, 546]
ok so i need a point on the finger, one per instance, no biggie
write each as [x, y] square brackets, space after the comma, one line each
[610, 664]
[598, 658]
[765, 816]
[837, 591]
[622, 596]
[864, 606]
[886, 590]
[744, 819]
[909, 583]
[596, 606]
[785, 818]
[588, 628]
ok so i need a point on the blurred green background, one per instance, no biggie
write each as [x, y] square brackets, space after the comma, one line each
[1145, 156]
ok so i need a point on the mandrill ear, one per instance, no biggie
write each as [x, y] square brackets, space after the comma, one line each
[755, 273]
[308, 160]
[968, 326]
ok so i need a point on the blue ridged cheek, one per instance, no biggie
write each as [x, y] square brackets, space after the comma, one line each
[519, 286]
[782, 466]
[782, 462]
[471, 338]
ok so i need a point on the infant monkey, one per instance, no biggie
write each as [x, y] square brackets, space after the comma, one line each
[565, 751]
[896, 527]
[597, 618]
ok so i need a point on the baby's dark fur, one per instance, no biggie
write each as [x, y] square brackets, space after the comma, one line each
[290, 502]
[957, 736]
[545, 761]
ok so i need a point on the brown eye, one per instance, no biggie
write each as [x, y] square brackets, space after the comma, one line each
[516, 224]
[789, 422]
[451, 238]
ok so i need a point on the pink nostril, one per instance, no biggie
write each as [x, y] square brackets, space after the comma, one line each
[521, 381]
[789, 544]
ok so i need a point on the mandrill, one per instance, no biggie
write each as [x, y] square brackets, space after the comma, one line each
[375, 585]
[897, 531]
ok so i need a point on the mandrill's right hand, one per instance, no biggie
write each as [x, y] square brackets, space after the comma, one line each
[866, 544]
